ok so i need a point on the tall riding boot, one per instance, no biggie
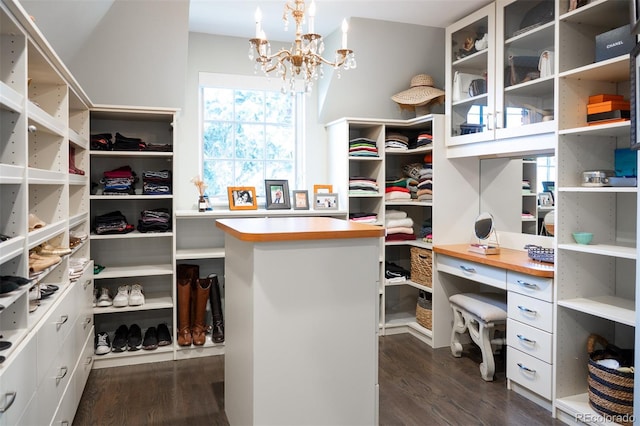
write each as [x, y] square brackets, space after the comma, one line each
[199, 326]
[184, 312]
[217, 333]
[187, 277]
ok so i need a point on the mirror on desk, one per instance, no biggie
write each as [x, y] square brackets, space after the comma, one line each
[519, 193]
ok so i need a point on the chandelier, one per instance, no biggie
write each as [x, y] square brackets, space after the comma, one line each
[304, 57]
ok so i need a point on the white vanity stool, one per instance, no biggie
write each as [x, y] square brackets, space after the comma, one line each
[481, 314]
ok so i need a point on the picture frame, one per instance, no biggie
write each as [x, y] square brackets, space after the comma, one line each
[277, 193]
[545, 199]
[634, 89]
[300, 199]
[242, 198]
[325, 201]
[322, 189]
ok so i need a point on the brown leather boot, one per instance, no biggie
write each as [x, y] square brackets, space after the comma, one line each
[199, 326]
[217, 332]
[184, 312]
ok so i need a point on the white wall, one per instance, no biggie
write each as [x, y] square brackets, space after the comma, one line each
[121, 52]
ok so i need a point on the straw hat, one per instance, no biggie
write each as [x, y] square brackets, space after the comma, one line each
[421, 92]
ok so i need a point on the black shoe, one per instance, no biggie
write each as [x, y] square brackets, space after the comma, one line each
[7, 286]
[16, 279]
[120, 339]
[164, 335]
[150, 341]
[134, 338]
[101, 344]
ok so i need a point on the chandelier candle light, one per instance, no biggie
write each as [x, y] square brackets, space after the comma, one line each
[305, 55]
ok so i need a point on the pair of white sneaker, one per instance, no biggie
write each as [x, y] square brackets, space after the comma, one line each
[129, 295]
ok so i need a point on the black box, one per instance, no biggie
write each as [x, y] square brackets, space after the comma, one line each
[609, 115]
[614, 43]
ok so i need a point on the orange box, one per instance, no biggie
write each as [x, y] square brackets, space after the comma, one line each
[608, 106]
[604, 98]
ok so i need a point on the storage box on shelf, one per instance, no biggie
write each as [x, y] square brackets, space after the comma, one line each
[502, 44]
[529, 197]
[134, 256]
[604, 301]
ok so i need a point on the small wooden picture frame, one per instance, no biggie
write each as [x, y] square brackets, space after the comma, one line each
[325, 201]
[301, 200]
[242, 198]
[322, 189]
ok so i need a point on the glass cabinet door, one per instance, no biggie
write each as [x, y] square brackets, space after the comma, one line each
[470, 86]
[525, 67]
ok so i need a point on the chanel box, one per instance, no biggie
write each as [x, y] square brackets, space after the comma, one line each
[614, 43]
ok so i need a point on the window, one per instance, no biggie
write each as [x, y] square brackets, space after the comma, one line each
[250, 132]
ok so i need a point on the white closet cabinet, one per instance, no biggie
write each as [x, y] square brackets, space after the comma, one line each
[510, 107]
[595, 283]
[144, 258]
[450, 211]
[43, 117]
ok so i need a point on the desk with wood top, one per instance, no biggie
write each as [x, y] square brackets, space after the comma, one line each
[529, 287]
[301, 321]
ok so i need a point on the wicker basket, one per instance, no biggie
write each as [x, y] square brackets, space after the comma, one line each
[424, 314]
[610, 390]
[421, 266]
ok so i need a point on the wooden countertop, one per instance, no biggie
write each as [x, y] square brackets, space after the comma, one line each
[296, 229]
[510, 259]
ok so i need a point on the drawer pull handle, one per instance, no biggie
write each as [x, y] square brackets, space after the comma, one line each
[63, 373]
[64, 423]
[531, 286]
[9, 397]
[63, 319]
[527, 369]
[527, 310]
[87, 321]
[468, 269]
[524, 339]
[86, 284]
[88, 361]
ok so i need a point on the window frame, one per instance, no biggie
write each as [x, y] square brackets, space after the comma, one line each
[251, 82]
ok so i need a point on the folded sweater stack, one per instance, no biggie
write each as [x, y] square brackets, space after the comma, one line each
[363, 217]
[396, 142]
[363, 147]
[398, 189]
[362, 185]
[399, 227]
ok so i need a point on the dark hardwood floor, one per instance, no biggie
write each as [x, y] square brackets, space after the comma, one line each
[418, 386]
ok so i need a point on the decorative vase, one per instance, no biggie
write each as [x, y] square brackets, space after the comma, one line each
[202, 204]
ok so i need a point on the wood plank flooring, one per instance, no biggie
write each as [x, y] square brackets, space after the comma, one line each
[418, 386]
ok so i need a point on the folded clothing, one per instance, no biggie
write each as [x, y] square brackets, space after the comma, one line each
[158, 220]
[112, 223]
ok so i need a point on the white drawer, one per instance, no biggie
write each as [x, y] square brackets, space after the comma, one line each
[495, 277]
[17, 383]
[529, 285]
[528, 310]
[529, 372]
[55, 382]
[85, 287]
[83, 327]
[530, 340]
[85, 362]
[56, 326]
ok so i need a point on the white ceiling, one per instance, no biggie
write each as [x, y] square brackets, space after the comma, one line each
[236, 17]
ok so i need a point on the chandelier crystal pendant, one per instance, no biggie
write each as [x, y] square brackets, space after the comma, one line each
[304, 57]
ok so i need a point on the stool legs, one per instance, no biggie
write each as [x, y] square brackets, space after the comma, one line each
[480, 332]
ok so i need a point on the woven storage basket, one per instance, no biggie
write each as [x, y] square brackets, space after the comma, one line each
[610, 390]
[421, 266]
[424, 314]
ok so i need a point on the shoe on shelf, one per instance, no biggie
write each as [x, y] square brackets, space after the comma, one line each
[134, 338]
[48, 250]
[150, 340]
[104, 299]
[164, 335]
[120, 339]
[121, 299]
[136, 296]
[16, 279]
[35, 222]
[102, 343]
[7, 286]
